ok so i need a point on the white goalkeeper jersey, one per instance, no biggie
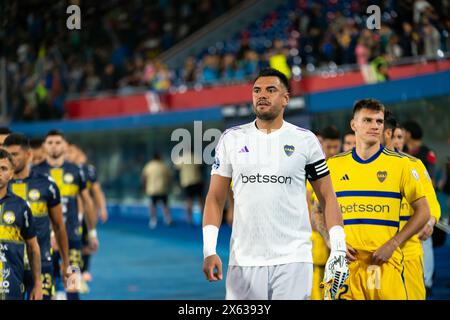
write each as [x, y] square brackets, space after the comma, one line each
[271, 223]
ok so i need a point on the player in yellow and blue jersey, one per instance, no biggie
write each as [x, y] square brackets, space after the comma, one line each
[17, 231]
[331, 145]
[44, 199]
[71, 182]
[76, 155]
[412, 248]
[370, 182]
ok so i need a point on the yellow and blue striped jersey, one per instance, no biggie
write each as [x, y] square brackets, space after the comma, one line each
[412, 248]
[71, 181]
[41, 194]
[369, 193]
[16, 226]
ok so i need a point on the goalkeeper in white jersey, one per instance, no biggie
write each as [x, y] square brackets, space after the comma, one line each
[269, 160]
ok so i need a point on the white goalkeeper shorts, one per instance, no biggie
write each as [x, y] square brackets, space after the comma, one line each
[292, 281]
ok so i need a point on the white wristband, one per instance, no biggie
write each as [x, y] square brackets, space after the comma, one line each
[337, 238]
[92, 233]
[210, 234]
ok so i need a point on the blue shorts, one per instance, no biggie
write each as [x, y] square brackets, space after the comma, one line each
[48, 282]
[75, 258]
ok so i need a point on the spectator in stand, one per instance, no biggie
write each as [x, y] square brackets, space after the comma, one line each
[161, 81]
[231, 71]
[362, 52]
[431, 40]
[393, 48]
[189, 71]
[210, 69]
[409, 40]
[250, 64]
[278, 58]
[380, 67]
[315, 34]
[109, 78]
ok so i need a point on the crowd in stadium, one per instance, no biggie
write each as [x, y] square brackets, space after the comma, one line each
[45, 63]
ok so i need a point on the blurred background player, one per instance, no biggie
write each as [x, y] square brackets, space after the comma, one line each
[331, 141]
[75, 155]
[398, 138]
[349, 141]
[412, 248]
[368, 180]
[331, 145]
[71, 182]
[156, 178]
[415, 147]
[191, 180]
[42, 195]
[411, 139]
[444, 185]
[17, 232]
[37, 150]
[4, 132]
[319, 137]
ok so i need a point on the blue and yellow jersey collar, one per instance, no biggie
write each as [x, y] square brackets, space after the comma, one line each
[372, 158]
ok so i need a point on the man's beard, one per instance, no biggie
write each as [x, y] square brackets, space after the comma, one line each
[267, 116]
[56, 155]
[19, 169]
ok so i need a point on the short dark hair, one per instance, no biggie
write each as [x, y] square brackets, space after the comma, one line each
[414, 128]
[6, 155]
[5, 130]
[271, 72]
[370, 104]
[330, 132]
[349, 131]
[17, 139]
[389, 120]
[156, 156]
[55, 132]
[36, 143]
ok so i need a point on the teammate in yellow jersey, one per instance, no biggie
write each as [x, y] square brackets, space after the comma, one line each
[71, 182]
[331, 145]
[75, 155]
[412, 248]
[370, 182]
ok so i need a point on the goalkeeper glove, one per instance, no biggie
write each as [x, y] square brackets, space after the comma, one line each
[336, 268]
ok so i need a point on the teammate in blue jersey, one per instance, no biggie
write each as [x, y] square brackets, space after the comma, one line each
[76, 155]
[37, 151]
[44, 199]
[71, 182]
[17, 231]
